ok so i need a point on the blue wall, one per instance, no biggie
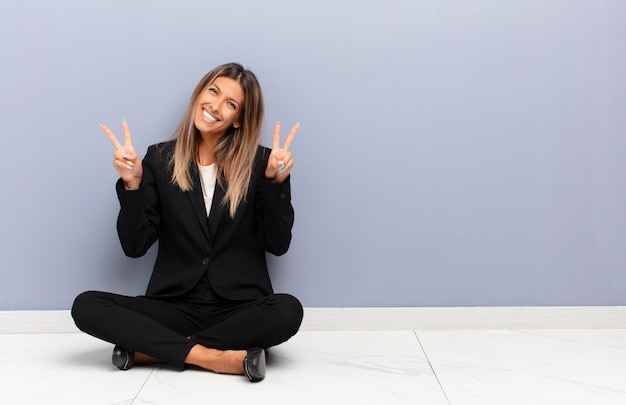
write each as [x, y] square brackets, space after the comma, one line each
[452, 153]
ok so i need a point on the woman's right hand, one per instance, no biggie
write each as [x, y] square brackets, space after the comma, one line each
[126, 161]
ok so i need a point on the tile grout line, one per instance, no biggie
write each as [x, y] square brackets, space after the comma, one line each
[431, 368]
[143, 385]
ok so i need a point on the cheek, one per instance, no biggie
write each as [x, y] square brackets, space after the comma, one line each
[234, 116]
[196, 118]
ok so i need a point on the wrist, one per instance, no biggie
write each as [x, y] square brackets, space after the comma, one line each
[131, 186]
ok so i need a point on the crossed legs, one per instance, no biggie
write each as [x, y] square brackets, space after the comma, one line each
[214, 337]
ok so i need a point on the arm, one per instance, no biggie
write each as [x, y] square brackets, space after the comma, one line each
[139, 216]
[275, 213]
[137, 222]
[275, 216]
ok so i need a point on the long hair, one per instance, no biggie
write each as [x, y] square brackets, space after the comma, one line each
[235, 151]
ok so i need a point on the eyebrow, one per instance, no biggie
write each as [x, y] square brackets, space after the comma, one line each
[220, 90]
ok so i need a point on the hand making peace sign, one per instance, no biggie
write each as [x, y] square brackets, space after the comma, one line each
[280, 163]
[126, 161]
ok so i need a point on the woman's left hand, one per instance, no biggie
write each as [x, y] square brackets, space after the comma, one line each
[280, 162]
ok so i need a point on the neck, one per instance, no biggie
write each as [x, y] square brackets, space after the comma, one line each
[205, 150]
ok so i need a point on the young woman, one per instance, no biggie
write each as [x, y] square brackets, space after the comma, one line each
[216, 202]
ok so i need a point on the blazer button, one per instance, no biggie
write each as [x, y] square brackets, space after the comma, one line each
[205, 261]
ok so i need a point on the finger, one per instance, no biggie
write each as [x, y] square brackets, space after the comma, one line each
[126, 158]
[112, 137]
[127, 138]
[291, 135]
[121, 165]
[281, 166]
[284, 160]
[280, 155]
[284, 171]
[276, 143]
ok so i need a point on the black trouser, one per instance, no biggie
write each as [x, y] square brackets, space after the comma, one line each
[167, 328]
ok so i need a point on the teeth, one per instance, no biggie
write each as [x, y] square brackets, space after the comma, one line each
[208, 116]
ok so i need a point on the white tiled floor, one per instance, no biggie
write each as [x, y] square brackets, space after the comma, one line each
[372, 367]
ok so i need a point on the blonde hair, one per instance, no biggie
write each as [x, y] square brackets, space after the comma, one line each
[235, 151]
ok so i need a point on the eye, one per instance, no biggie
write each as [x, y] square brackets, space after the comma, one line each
[213, 90]
[232, 105]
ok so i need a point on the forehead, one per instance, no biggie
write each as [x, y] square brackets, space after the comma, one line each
[229, 87]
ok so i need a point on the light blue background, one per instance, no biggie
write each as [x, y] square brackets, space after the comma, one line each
[451, 153]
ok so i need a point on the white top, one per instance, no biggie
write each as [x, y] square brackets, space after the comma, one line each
[208, 177]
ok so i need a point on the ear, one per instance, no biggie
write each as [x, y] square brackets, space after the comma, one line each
[237, 124]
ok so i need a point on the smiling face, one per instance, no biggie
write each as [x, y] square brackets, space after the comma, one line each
[218, 107]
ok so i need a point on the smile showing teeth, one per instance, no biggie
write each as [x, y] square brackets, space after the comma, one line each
[208, 116]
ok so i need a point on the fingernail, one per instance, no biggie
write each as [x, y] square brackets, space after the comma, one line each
[127, 156]
[129, 167]
[123, 120]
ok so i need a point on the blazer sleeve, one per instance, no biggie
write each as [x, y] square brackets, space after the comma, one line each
[139, 216]
[274, 212]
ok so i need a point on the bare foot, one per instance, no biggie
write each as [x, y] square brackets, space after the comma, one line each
[219, 361]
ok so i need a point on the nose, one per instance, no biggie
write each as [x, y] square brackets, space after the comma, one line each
[218, 104]
[215, 105]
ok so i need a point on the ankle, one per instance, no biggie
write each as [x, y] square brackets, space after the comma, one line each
[145, 359]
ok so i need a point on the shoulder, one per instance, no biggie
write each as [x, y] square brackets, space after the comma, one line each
[260, 160]
[262, 154]
[160, 151]
[163, 147]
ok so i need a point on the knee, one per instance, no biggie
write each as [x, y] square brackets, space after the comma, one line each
[82, 307]
[291, 312]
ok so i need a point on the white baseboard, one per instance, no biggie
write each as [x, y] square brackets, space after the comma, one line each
[341, 319]
[465, 318]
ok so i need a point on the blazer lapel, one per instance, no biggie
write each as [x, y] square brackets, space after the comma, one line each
[217, 210]
[197, 201]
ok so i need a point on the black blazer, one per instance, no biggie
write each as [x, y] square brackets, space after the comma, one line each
[230, 250]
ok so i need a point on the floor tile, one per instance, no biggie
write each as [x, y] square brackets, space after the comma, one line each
[314, 368]
[375, 367]
[68, 368]
[529, 367]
